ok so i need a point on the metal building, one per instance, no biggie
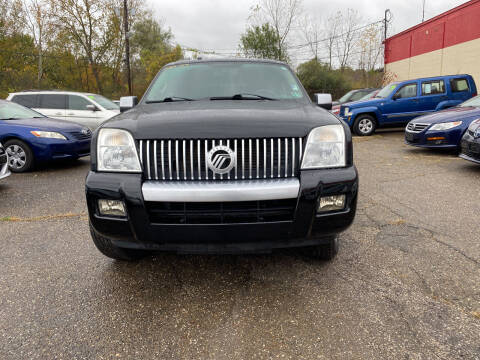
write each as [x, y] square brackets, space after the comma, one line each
[447, 44]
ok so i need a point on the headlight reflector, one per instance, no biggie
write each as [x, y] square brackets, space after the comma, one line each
[325, 148]
[445, 126]
[116, 151]
[347, 112]
[48, 134]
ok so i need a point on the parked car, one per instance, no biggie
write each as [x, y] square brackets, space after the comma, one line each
[30, 137]
[443, 129]
[4, 172]
[470, 143]
[82, 108]
[245, 164]
[352, 95]
[399, 102]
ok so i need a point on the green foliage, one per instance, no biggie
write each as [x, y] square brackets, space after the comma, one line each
[262, 42]
[317, 77]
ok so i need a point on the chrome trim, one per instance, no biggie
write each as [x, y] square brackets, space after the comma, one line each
[293, 156]
[220, 191]
[198, 160]
[163, 160]
[286, 157]
[141, 151]
[415, 131]
[250, 157]
[170, 158]
[148, 159]
[264, 158]
[279, 143]
[236, 165]
[155, 159]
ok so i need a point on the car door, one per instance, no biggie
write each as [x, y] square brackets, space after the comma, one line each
[433, 92]
[403, 104]
[78, 112]
[52, 105]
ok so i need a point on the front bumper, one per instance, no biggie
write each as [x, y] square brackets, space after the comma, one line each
[4, 172]
[305, 228]
[470, 148]
[433, 139]
[53, 149]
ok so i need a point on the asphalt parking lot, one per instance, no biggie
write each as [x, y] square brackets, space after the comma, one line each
[405, 285]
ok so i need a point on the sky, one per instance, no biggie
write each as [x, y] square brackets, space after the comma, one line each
[218, 24]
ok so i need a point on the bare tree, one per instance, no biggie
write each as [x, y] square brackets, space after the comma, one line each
[332, 28]
[370, 46]
[282, 15]
[312, 35]
[347, 38]
[35, 18]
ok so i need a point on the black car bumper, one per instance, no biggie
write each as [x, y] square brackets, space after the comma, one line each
[142, 230]
[470, 148]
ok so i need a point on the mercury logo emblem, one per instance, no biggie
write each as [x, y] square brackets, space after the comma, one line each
[221, 159]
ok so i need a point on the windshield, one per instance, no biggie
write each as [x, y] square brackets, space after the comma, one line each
[369, 96]
[472, 102]
[386, 91]
[10, 110]
[345, 98]
[103, 102]
[224, 79]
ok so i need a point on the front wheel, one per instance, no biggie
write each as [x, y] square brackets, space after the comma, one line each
[20, 156]
[364, 125]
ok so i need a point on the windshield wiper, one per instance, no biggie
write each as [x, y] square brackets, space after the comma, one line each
[242, 96]
[169, 99]
[12, 118]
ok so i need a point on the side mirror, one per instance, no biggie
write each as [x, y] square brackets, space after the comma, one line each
[128, 102]
[323, 100]
[92, 107]
[396, 97]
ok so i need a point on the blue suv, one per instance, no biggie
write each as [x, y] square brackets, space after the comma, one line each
[399, 102]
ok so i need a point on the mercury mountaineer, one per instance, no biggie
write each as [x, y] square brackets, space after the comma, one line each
[221, 156]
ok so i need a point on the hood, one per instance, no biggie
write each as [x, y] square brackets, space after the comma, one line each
[452, 114]
[222, 119]
[46, 124]
[363, 103]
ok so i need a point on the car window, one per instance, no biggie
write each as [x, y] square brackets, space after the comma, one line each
[52, 101]
[26, 100]
[459, 85]
[346, 97]
[225, 79]
[407, 91]
[386, 91]
[11, 110]
[433, 87]
[358, 95]
[104, 102]
[76, 102]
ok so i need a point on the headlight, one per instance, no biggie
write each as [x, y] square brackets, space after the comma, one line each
[474, 125]
[325, 148]
[48, 134]
[116, 151]
[445, 126]
[347, 112]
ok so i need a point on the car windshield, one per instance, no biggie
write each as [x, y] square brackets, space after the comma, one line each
[472, 102]
[224, 80]
[103, 101]
[370, 95]
[345, 98]
[13, 111]
[386, 91]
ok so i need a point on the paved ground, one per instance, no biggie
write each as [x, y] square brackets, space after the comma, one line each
[406, 284]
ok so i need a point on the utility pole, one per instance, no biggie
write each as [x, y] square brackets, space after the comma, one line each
[385, 28]
[127, 47]
[423, 11]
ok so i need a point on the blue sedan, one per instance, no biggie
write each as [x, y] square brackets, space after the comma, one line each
[443, 129]
[29, 137]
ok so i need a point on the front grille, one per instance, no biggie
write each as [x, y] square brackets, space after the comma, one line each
[416, 127]
[221, 212]
[79, 135]
[187, 159]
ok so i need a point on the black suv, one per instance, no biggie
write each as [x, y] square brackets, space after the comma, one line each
[221, 156]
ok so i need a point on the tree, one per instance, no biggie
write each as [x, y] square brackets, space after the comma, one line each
[317, 77]
[281, 15]
[262, 42]
[312, 35]
[347, 38]
[370, 44]
[332, 25]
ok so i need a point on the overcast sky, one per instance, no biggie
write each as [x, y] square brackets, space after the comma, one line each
[218, 24]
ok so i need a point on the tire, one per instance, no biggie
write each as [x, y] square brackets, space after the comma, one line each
[327, 251]
[20, 156]
[105, 246]
[364, 125]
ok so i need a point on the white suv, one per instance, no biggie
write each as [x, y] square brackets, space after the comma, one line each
[83, 108]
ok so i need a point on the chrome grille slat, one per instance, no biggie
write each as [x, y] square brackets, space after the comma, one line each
[181, 159]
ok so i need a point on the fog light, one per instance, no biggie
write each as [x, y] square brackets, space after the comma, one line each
[331, 203]
[111, 207]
